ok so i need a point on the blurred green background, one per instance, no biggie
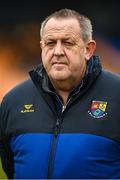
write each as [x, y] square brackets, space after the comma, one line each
[2, 174]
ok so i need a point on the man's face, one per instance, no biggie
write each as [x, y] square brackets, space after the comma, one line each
[63, 50]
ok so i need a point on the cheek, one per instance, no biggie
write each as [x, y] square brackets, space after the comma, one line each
[46, 59]
[77, 61]
[69, 54]
[46, 56]
[73, 53]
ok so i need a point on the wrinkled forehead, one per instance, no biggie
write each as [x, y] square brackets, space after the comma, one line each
[60, 25]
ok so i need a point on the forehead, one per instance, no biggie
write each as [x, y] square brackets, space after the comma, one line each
[68, 26]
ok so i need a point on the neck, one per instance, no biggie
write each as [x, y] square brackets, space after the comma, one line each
[64, 95]
[64, 89]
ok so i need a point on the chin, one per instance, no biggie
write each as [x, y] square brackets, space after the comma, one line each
[59, 78]
[59, 75]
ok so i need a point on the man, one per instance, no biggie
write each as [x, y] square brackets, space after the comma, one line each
[63, 123]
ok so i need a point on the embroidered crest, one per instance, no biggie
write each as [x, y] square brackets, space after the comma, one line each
[98, 109]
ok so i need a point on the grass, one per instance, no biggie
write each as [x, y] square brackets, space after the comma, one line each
[2, 174]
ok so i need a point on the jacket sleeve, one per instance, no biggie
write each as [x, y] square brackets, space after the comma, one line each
[5, 152]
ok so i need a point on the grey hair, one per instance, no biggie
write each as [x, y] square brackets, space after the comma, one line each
[84, 22]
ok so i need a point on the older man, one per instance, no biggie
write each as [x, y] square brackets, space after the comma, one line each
[63, 123]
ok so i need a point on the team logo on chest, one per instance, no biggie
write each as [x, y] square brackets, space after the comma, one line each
[98, 109]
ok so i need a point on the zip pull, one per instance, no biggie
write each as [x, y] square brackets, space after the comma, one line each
[57, 126]
[63, 108]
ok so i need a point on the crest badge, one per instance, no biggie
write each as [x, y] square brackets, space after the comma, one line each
[98, 109]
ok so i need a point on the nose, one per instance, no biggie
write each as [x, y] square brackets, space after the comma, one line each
[58, 49]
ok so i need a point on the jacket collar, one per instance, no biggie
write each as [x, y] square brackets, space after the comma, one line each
[40, 77]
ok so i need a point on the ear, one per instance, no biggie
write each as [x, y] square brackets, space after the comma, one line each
[90, 48]
[41, 44]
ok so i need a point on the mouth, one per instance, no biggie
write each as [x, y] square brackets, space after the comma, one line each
[59, 65]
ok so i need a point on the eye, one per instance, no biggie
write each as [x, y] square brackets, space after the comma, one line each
[50, 43]
[68, 43]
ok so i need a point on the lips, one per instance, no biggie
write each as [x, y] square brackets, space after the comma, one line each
[59, 63]
[59, 66]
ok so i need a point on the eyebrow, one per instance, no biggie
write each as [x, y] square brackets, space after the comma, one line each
[54, 39]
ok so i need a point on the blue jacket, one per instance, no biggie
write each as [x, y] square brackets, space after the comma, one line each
[40, 138]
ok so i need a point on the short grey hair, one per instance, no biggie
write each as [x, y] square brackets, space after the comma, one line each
[85, 22]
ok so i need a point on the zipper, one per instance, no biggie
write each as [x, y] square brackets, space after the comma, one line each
[55, 136]
[53, 148]
[54, 142]
[57, 128]
[64, 107]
